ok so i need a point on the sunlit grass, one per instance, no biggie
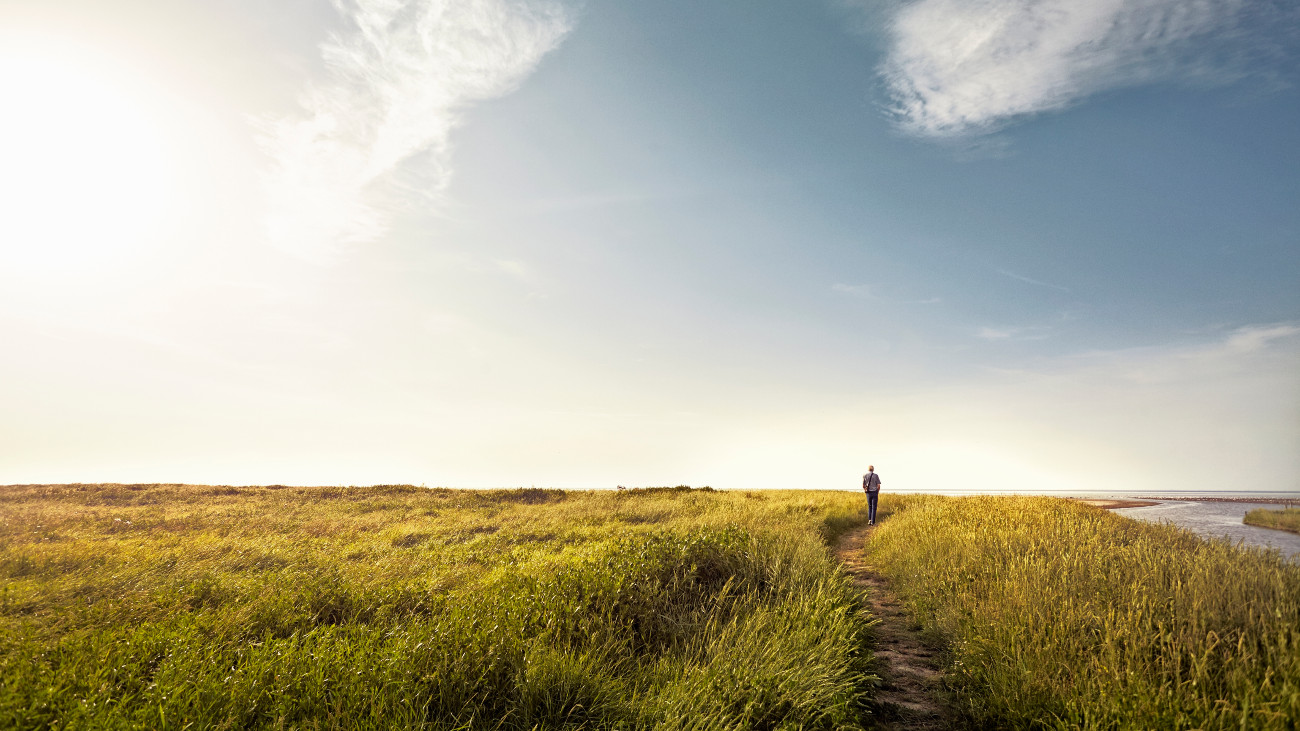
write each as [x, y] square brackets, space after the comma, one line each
[1285, 519]
[393, 606]
[1061, 615]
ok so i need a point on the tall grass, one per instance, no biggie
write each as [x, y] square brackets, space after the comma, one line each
[1287, 519]
[1061, 615]
[166, 606]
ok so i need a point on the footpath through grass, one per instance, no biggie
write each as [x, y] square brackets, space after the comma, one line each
[1285, 519]
[198, 607]
[1062, 615]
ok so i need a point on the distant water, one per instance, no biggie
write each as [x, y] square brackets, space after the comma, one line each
[1219, 520]
[1192, 495]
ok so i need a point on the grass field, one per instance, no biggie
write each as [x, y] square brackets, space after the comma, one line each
[199, 607]
[180, 606]
[1061, 615]
[1285, 519]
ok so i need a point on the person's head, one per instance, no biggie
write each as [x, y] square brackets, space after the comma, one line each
[871, 468]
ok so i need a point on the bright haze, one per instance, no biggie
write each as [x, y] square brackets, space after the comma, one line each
[1003, 245]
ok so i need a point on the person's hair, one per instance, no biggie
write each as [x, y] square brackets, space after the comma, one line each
[871, 468]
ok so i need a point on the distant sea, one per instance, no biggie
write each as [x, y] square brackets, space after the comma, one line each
[1203, 495]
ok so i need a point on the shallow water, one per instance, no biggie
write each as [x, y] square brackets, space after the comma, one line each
[1219, 520]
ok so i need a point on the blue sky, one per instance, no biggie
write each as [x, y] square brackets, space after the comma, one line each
[998, 245]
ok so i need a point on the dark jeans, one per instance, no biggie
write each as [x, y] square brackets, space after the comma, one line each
[872, 499]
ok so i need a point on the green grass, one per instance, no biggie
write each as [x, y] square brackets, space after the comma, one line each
[1062, 615]
[1285, 519]
[164, 606]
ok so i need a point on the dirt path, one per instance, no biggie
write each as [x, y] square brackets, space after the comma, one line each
[909, 695]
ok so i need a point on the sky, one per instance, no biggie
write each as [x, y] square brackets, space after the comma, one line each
[982, 245]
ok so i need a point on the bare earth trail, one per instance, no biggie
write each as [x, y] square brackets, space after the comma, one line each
[909, 695]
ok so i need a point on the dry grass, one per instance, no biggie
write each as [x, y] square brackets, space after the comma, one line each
[167, 606]
[1287, 519]
[1061, 615]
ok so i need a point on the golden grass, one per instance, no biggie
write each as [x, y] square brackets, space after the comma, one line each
[172, 606]
[1062, 615]
[1287, 519]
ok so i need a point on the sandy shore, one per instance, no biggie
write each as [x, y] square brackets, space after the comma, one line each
[1112, 504]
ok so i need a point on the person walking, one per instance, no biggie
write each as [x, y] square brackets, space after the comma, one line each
[871, 486]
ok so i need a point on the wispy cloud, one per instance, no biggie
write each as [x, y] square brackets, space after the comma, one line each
[961, 67]
[866, 291]
[1154, 417]
[1256, 338]
[1252, 349]
[398, 80]
[1034, 282]
[852, 290]
[995, 333]
[1036, 332]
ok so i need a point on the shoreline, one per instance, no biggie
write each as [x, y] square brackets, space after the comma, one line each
[1148, 501]
[1115, 503]
[1269, 500]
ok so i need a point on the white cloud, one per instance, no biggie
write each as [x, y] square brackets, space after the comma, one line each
[398, 82]
[1254, 339]
[957, 67]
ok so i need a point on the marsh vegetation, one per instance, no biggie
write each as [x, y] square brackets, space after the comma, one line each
[1287, 519]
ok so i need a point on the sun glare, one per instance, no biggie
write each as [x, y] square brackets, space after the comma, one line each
[85, 177]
